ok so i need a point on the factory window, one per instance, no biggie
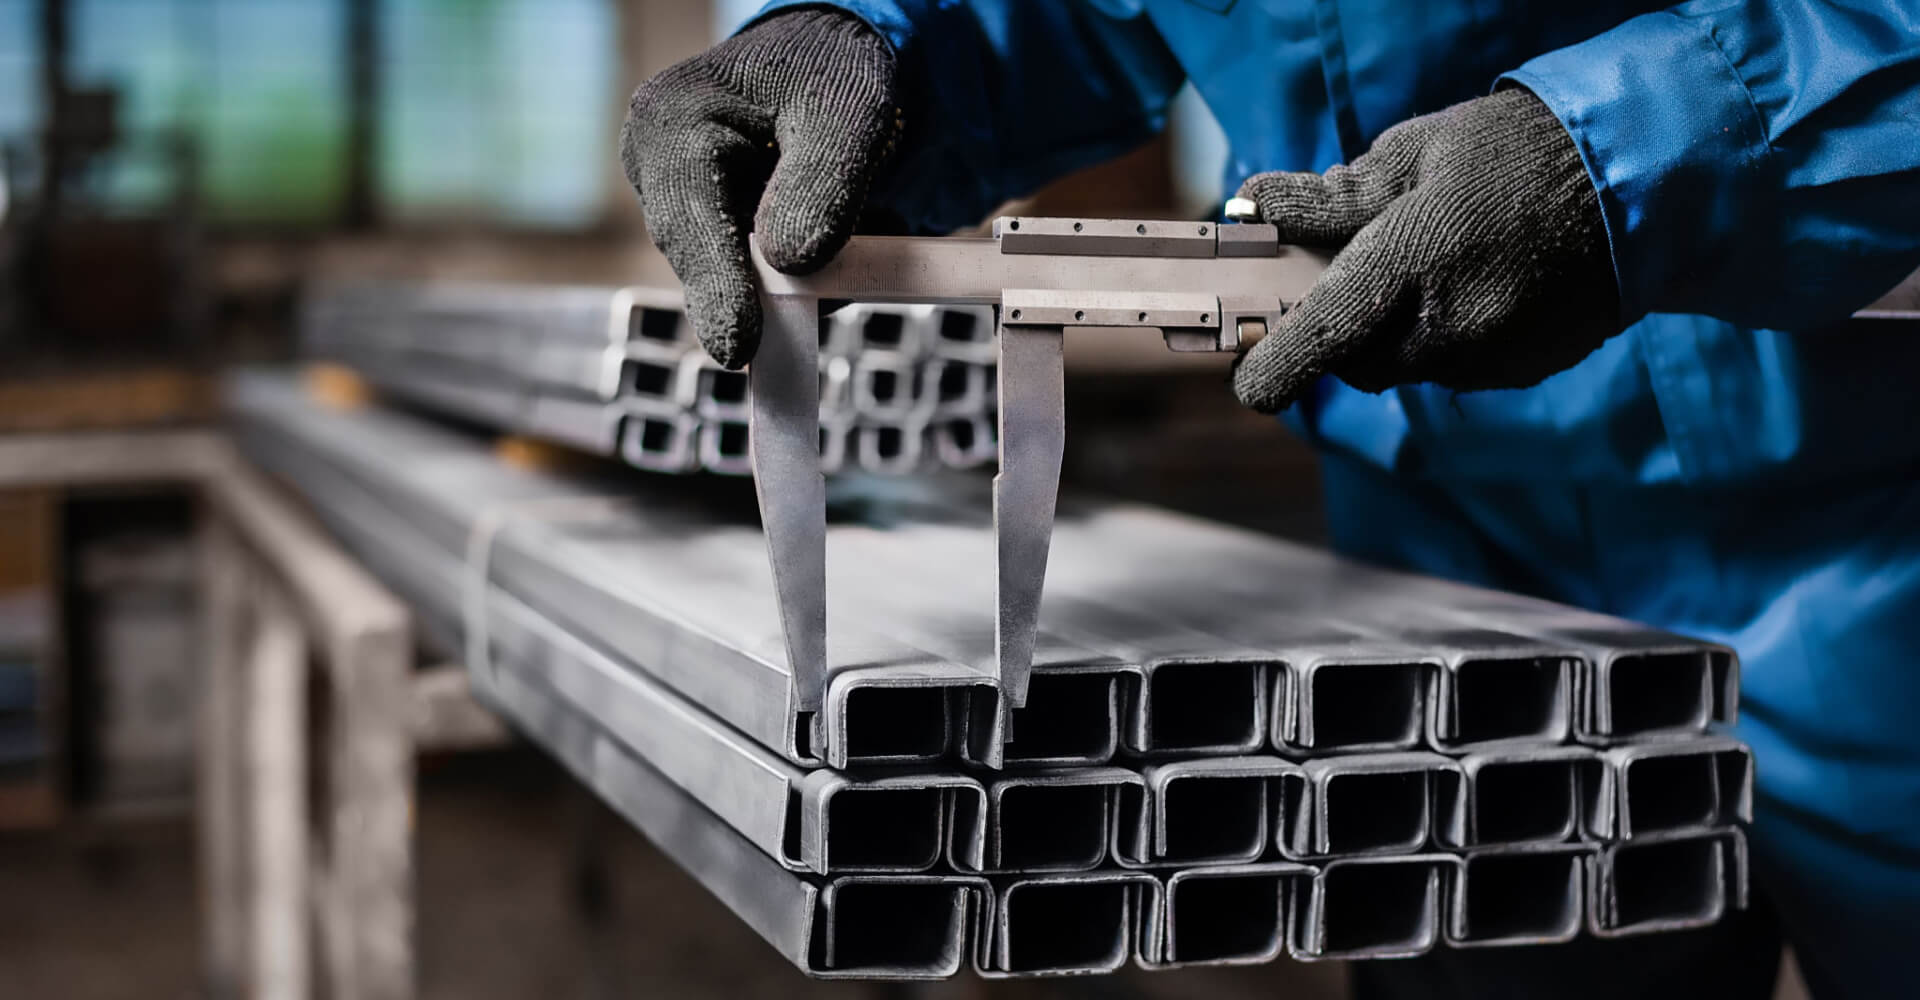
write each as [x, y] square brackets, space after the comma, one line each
[499, 109]
[259, 86]
[489, 111]
[19, 69]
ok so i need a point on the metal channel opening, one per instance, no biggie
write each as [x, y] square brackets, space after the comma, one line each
[726, 388]
[650, 379]
[884, 386]
[1379, 907]
[961, 433]
[1375, 811]
[1226, 918]
[955, 383]
[1510, 699]
[1062, 927]
[1522, 897]
[1366, 704]
[1667, 881]
[1197, 706]
[961, 326]
[731, 438]
[1214, 818]
[1050, 827]
[655, 435]
[883, 331]
[1670, 791]
[1655, 691]
[1068, 718]
[885, 829]
[886, 448]
[660, 326]
[1524, 800]
[891, 929]
[896, 724]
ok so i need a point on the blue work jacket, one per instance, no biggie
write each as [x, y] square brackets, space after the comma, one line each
[1740, 464]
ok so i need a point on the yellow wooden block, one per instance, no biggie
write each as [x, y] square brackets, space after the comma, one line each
[337, 386]
[540, 456]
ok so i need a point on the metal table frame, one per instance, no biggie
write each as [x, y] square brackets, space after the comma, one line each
[284, 607]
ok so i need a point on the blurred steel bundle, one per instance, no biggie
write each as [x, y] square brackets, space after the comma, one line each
[616, 371]
[1232, 748]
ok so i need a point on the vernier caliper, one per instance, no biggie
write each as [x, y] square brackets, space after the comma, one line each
[1203, 287]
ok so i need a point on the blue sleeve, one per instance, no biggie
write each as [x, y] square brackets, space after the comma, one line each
[1002, 96]
[1757, 160]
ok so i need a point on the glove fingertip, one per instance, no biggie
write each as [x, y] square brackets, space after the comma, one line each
[799, 253]
[1264, 382]
[726, 324]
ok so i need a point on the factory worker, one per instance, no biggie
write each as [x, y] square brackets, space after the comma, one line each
[1586, 335]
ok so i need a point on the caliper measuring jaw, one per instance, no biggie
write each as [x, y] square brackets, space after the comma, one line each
[1203, 287]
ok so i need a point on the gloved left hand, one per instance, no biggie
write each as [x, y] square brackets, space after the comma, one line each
[1472, 254]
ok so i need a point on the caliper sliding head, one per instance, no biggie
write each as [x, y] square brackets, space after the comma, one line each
[1204, 287]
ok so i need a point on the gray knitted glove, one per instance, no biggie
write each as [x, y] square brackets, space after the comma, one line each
[792, 115]
[1473, 255]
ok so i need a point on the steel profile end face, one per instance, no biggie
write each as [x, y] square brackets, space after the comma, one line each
[888, 386]
[656, 324]
[717, 392]
[1358, 706]
[962, 333]
[1056, 820]
[660, 440]
[1216, 811]
[864, 328]
[895, 927]
[893, 823]
[1070, 718]
[1228, 914]
[1667, 882]
[1689, 784]
[1515, 796]
[1667, 691]
[874, 716]
[1482, 702]
[891, 449]
[955, 388]
[965, 442]
[1070, 925]
[1514, 896]
[1202, 707]
[1385, 907]
[1368, 804]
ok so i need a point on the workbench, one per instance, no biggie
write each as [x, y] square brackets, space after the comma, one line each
[310, 712]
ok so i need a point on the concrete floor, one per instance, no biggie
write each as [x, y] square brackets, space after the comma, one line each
[108, 912]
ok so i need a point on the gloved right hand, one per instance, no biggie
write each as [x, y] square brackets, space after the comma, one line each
[793, 115]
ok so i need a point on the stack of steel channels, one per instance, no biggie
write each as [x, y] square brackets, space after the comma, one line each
[617, 371]
[1232, 747]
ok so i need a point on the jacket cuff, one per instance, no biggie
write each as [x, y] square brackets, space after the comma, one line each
[1675, 148]
[889, 19]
